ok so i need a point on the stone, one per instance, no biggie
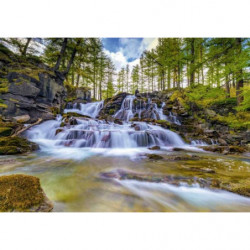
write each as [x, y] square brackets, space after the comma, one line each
[24, 89]
[210, 112]
[154, 157]
[16, 145]
[22, 118]
[154, 148]
[222, 142]
[23, 193]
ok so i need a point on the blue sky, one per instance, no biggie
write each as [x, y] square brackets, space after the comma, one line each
[124, 51]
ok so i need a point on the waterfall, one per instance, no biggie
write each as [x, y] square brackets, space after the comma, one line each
[91, 109]
[126, 111]
[87, 132]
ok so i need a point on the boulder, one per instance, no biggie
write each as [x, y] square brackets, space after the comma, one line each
[16, 145]
[154, 148]
[154, 157]
[23, 193]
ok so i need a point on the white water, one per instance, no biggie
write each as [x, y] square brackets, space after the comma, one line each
[91, 133]
[91, 109]
[90, 137]
[185, 197]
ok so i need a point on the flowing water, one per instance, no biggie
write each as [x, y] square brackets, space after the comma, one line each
[70, 164]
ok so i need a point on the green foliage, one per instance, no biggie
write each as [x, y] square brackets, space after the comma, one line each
[204, 95]
[245, 105]
[239, 121]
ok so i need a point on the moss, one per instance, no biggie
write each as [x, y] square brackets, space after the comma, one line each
[154, 157]
[15, 145]
[111, 111]
[54, 110]
[69, 114]
[5, 131]
[163, 123]
[241, 190]
[20, 192]
[2, 105]
[239, 121]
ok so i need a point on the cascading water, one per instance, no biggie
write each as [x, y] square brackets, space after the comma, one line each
[64, 142]
[91, 109]
[86, 132]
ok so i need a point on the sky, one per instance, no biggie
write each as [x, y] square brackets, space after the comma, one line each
[125, 51]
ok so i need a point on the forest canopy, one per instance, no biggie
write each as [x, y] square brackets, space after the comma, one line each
[218, 65]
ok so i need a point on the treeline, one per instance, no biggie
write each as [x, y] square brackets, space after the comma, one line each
[187, 62]
[81, 62]
[174, 63]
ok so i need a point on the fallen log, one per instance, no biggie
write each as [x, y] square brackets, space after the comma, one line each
[27, 127]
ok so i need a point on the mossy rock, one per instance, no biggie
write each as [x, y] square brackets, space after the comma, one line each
[164, 124]
[22, 193]
[15, 145]
[111, 111]
[74, 114]
[154, 157]
[5, 131]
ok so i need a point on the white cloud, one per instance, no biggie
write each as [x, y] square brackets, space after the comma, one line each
[131, 48]
[117, 58]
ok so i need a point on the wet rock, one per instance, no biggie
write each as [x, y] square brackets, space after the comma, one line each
[16, 145]
[154, 157]
[117, 121]
[170, 179]
[59, 130]
[22, 193]
[137, 128]
[241, 190]
[226, 149]
[155, 148]
[183, 157]
[203, 170]
[22, 118]
[222, 142]
[74, 114]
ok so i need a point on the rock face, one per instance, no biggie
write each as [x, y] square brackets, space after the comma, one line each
[23, 193]
[30, 88]
[112, 105]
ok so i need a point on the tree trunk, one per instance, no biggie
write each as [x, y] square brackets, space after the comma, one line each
[73, 78]
[77, 80]
[192, 69]
[72, 58]
[26, 47]
[239, 74]
[227, 83]
[169, 78]
[59, 59]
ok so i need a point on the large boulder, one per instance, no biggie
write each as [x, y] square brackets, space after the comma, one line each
[23, 193]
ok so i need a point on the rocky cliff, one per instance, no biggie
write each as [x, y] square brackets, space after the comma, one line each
[28, 88]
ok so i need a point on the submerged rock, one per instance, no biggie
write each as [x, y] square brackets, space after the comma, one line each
[23, 193]
[183, 158]
[226, 149]
[121, 174]
[154, 157]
